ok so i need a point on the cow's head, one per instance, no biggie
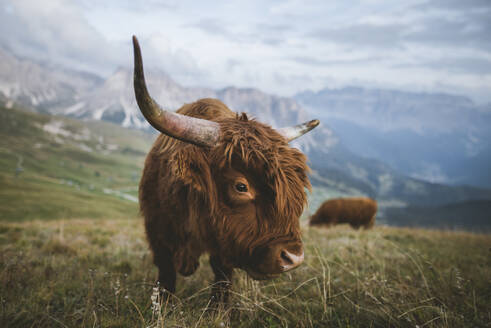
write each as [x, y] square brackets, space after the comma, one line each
[250, 182]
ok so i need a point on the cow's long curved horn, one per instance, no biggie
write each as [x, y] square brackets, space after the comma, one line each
[185, 128]
[293, 132]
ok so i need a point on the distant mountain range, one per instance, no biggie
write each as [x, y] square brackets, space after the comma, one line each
[39, 87]
[338, 169]
[436, 137]
[470, 215]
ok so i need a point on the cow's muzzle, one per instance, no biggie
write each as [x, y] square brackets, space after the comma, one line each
[271, 260]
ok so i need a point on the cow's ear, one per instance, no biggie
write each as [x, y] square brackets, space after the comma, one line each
[190, 165]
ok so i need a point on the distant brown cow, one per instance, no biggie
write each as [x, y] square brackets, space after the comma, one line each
[357, 212]
[220, 183]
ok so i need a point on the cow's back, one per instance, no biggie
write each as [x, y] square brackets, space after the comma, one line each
[354, 211]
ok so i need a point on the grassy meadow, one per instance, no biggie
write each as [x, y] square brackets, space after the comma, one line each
[99, 273]
[73, 251]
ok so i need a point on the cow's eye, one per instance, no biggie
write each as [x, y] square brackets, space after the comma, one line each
[240, 187]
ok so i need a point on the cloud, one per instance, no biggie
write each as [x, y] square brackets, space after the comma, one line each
[57, 32]
[269, 34]
[469, 30]
[433, 23]
[159, 52]
[239, 22]
[54, 31]
[316, 62]
[221, 28]
[461, 65]
[363, 35]
[458, 5]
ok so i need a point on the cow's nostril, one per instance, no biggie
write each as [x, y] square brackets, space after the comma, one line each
[290, 260]
[287, 260]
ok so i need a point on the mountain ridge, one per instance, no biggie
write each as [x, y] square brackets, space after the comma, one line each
[437, 137]
[39, 87]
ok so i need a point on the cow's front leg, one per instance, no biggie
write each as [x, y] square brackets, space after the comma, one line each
[167, 272]
[223, 281]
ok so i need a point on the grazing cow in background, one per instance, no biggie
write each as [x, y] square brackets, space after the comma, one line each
[357, 212]
[220, 183]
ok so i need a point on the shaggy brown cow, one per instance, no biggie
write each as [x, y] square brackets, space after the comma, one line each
[357, 212]
[220, 183]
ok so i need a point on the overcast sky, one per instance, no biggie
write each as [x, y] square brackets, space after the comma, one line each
[280, 47]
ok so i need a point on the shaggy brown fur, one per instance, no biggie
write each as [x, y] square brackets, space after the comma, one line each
[357, 212]
[191, 206]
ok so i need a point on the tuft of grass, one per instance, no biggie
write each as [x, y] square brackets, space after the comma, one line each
[58, 274]
[55, 246]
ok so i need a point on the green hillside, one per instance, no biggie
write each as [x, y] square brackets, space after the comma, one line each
[53, 167]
